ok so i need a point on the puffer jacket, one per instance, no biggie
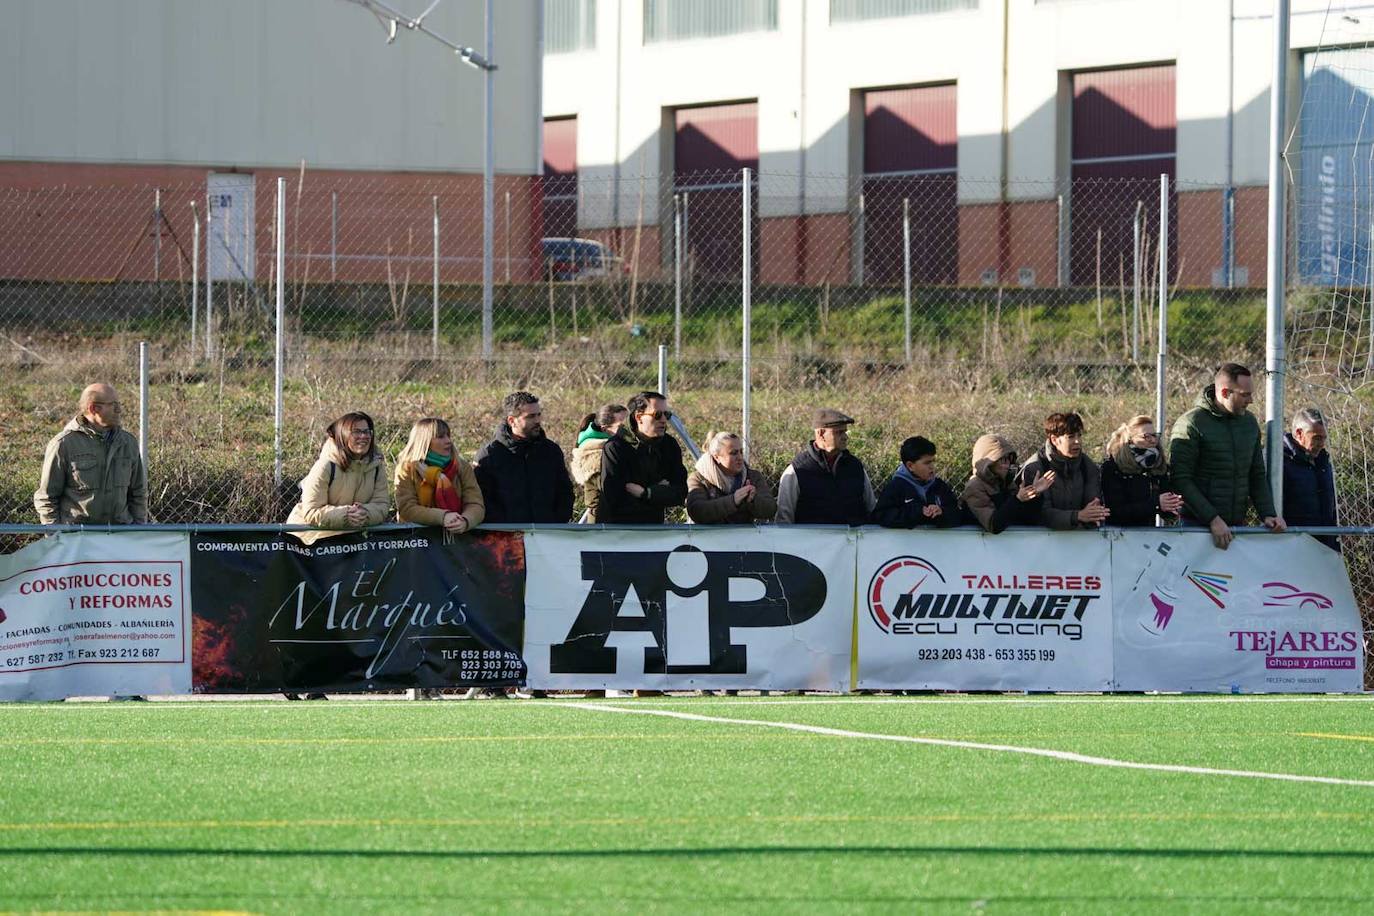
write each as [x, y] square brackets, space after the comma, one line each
[1077, 482]
[524, 480]
[408, 508]
[647, 462]
[587, 459]
[1218, 463]
[990, 501]
[1309, 488]
[330, 488]
[710, 503]
[88, 479]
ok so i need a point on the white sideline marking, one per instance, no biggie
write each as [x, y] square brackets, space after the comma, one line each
[1068, 756]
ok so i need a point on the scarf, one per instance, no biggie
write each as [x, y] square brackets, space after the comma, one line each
[436, 489]
[715, 475]
[1131, 459]
[591, 432]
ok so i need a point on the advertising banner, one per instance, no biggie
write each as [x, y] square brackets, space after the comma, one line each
[95, 615]
[1273, 613]
[381, 610]
[702, 608]
[964, 610]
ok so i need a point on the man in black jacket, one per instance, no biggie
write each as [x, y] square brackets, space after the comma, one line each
[521, 471]
[1309, 484]
[642, 474]
[825, 484]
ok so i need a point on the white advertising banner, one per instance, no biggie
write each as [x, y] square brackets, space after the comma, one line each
[964, 610]
[1271, 614]
[96, 614]
[689, 609]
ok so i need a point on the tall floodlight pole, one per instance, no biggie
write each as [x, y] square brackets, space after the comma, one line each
[1275, 357]
[391, 20]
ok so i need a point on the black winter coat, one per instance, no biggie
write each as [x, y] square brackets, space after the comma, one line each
[1133, 498]
[1309, 488]
[524, 480]
[900, 504]
[629, 459]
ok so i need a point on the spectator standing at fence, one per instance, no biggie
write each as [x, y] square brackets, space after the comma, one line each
[587, 458]
[1309, 483]
[723, 490]
[92, 472]
[642, 472]
[915, 497]
[434, 486]
[521, 471]
[1135, 476]
[825, 484]
[1074, 496]
[991, 497]
[346, 488]
[1218, 458]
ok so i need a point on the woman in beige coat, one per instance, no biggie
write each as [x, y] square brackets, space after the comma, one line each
[723, 490]
[347, 488]
[433, 485]
[597, 429]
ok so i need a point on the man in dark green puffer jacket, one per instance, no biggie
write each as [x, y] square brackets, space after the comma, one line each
[1218, 463]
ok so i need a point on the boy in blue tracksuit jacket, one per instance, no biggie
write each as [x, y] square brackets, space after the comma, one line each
[915, 497]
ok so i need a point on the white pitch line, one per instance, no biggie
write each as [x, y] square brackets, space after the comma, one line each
[1067, 756]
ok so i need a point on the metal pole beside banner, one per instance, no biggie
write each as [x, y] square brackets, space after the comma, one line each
[1162, 357]
[195, 273]
[746, 303]
[663, 369]
[279, 352]
[209, 287]
[1275, 357]
[143, 403]
[488, 184]
[906, 277]
[434, 321]
[677, 275]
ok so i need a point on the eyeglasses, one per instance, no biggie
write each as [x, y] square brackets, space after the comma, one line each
[361, 433]
[665, 415]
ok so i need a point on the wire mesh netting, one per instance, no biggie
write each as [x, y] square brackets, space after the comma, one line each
[919, 303]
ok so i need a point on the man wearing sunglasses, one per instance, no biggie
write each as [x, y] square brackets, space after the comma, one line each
[642, 474]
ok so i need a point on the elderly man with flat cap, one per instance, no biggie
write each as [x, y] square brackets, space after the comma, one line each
[825, 484]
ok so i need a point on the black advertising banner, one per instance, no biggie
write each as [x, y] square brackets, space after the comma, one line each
[361, 611]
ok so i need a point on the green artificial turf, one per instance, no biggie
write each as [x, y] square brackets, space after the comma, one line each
[525, 806]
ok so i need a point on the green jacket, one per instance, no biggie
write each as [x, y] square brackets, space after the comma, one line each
[89, 480]
[1218, 463]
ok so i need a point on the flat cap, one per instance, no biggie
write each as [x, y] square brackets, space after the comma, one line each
[829, 417]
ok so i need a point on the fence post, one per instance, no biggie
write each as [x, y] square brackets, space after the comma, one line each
[1228, 237]
[488, 183]
[195, 273]
[746, 295]
[507, 237]
[1369, 259]
[1275, 354]
[280, 348]
[157, 239]
[434, 320]
[1061, 257]
[1163, 355]
[143, 406]
[209, 273]
[663, 370]
[1136, 255]
[333, 236]
[906, 277]
[677, 275]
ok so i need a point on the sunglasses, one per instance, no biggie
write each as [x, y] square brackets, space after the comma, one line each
[665, 415]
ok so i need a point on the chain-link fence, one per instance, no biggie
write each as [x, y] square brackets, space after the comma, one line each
[919, 303]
